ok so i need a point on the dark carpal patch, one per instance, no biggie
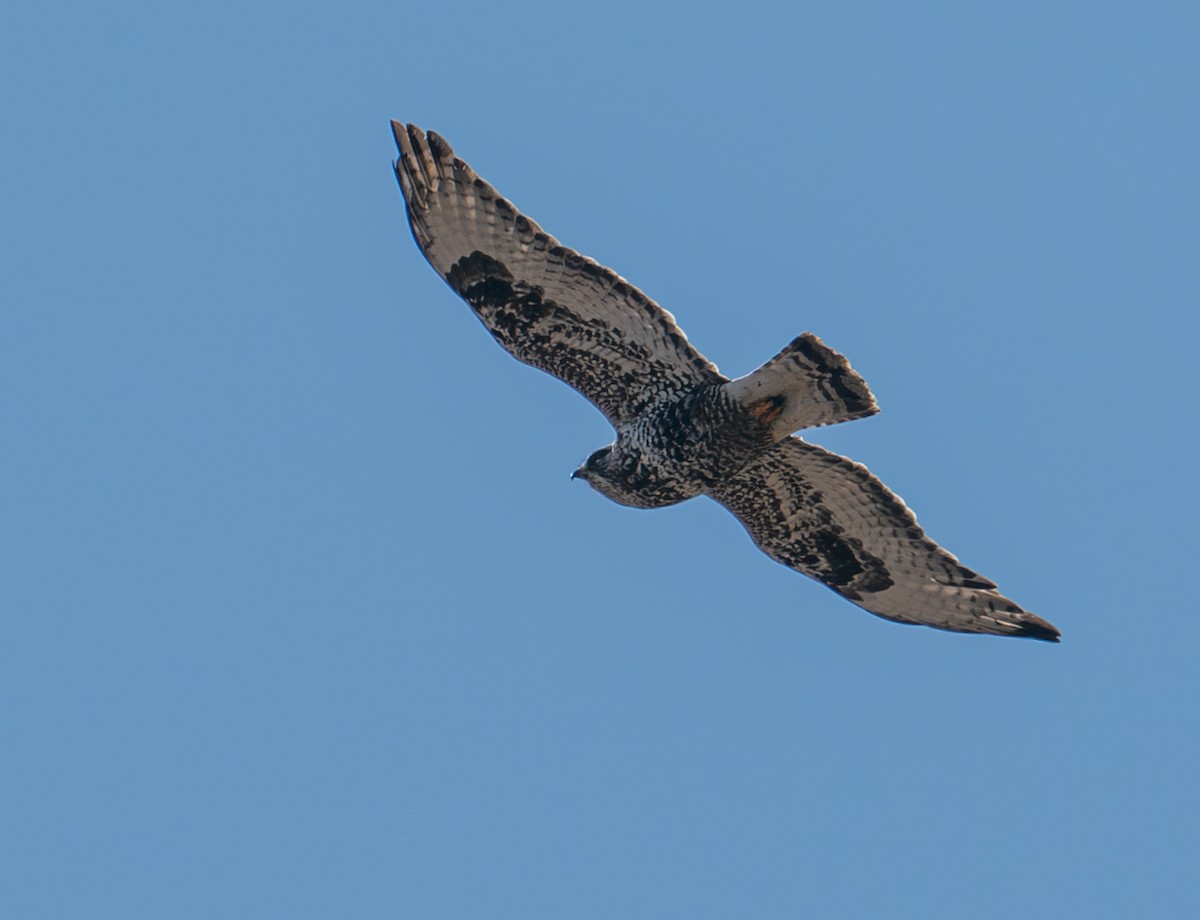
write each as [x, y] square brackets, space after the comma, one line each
[788, 520]
[847, 567]
[589, 354]
[488, 286]
[838, 561]
[480, 278]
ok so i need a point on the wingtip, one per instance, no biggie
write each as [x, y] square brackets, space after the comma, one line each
[403, 134]
[440, 147]
[1037, 628]
[427, 151]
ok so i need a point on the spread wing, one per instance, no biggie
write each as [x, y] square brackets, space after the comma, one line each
[546, 304]
[832, 520]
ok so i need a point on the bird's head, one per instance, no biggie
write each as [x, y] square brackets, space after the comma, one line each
[603, 473]
[596, 467]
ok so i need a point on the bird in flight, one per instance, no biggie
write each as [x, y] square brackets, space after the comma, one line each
[683, 428]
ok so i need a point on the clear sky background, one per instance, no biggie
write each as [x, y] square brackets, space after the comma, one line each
[302, 616]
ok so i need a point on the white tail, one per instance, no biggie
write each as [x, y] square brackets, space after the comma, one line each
[805, 385]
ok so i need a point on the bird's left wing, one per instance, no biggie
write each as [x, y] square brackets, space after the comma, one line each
[832, 520]
[546, 304]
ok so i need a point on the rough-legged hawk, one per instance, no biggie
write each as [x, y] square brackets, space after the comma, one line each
[683, 428]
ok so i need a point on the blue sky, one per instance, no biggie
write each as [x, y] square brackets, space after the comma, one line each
[302, 615]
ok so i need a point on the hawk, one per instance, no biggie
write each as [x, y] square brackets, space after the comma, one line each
[682, 428]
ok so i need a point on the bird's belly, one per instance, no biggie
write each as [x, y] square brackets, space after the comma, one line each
[652, 485]
[659, 478]
[686, 449]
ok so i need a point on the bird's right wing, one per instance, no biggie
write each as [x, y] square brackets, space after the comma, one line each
[546, 304]
[832, 520]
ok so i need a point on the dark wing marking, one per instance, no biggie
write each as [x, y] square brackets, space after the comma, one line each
[831, 519]
[546, 304]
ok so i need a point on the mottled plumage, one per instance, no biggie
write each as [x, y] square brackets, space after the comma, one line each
[683, 428]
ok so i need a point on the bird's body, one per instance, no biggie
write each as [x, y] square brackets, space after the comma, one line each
[677, 450]
[684, 429]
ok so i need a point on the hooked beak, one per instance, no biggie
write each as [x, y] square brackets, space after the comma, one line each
[580, 473]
